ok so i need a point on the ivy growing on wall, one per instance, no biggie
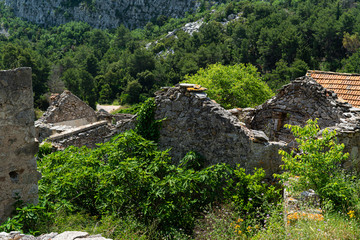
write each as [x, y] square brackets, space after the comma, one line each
[146, 125]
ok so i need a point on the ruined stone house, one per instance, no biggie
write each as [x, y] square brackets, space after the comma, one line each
[252, 137]
[191, 122]
[71, 122]
[18, 170]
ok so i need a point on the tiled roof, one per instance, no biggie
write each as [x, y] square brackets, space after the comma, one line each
[345, 85]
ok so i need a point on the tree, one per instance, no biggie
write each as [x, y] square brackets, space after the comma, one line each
[15, 56]
[232, 86]
[132, 92]
[105, 94]
[352, 64]
[82, 84]
[351, 42]
[316, 163]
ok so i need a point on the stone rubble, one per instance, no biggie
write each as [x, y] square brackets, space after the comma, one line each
[68, 235]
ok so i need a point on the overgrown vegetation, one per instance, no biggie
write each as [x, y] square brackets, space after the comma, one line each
[128, 188]
[317, 164]
[146, 125]
[129, 177]
[232, 86]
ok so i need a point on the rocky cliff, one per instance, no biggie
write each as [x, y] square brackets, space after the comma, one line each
[99, 13]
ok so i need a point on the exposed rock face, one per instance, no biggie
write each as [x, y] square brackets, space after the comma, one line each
[18, 174]
[193, 122]
[100, 13]
[297, 102]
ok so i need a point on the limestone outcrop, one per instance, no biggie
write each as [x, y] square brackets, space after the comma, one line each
[18, 170]
[100, 13]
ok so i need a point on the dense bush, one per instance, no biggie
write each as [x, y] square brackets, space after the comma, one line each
[129, 176]
[317, 164]
[233, 86]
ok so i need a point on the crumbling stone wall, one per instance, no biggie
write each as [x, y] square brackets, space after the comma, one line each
[68, 109]
[297, 102]
[88, 135]
[193, 122]
[305, 99]
[18, 174]
[71, 122]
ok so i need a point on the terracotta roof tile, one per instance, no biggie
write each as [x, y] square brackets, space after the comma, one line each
[346, 86]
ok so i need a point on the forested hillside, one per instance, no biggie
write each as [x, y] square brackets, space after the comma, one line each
[281, 38]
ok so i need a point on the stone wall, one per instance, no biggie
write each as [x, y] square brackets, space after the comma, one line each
[87, 135]
[305, 99]
[193, 122]
[68, 109]
[297, 102]
[18, 174]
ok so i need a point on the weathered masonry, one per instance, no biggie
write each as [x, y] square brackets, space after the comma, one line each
[18, 174]
[193, 122]
[252, 137]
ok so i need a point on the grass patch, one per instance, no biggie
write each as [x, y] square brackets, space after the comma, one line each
[334, 226]
[129, 109]
[38, 113]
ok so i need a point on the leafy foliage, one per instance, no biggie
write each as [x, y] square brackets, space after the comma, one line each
[317, 163]
[146, 125]
[129, 176]
[232, 86]
[252, 197]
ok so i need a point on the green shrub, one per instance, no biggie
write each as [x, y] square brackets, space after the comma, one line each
[27, 219]
[133, 109]
[232, 86]
[146, 125]
[44, 149]
[128, 175]
[317, 163]
[192, 160]
[252, 197]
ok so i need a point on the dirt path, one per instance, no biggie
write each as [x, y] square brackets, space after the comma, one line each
[108, 108]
